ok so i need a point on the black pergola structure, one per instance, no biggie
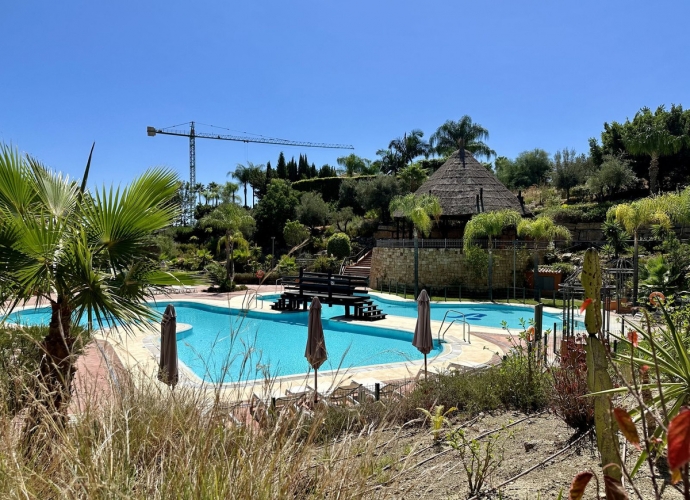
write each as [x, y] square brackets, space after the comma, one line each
[621, 270]
[572, 290]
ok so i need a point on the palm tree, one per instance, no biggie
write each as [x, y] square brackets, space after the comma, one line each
[420, 210]
[543, 228]
[214, 192]
[198, 189]
[637, 215]
[354, 164]
[489, 225]
[243, 175]
[83, 253]
[235, 221]
[228, 192]
[257, 178]
[451, 134]
[413, 176]
[649, 135]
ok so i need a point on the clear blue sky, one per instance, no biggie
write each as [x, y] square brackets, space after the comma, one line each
[543, 74]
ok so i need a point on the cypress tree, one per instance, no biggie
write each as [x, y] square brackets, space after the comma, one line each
[281, 169]
[312, 172]
[292, 170]
[302, 168]
[269, 176]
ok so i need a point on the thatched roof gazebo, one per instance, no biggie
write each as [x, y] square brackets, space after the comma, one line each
[465, 187]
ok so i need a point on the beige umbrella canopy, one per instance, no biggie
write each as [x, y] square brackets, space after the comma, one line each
[316, 343]
[423, 339]
[167, 369]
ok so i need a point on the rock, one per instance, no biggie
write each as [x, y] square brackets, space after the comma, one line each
[530, 445]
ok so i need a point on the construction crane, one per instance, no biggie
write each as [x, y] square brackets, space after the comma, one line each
[192, 134]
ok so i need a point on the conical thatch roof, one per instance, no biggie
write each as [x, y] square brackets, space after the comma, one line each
[457, 187]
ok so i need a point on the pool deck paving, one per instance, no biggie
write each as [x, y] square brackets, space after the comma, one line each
[113, 355]
[138, 351]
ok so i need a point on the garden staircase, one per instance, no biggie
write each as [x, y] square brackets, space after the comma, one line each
[361, 268]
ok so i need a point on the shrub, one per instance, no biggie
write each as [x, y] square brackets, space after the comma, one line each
[324, 264]
[339, 245]
[568, 401]
[286, 265]
[251, 279]
[328, 187]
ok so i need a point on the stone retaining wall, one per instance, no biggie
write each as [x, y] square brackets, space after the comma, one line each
[448, 266]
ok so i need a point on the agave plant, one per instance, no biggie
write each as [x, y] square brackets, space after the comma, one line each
[664, 354]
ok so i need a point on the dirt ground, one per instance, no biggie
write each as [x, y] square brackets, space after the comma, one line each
[410, 466]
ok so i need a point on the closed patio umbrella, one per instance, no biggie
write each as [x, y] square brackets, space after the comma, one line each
[423, 338]
[316, 343]
[167, 368]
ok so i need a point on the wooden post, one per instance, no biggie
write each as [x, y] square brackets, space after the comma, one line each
[330, 281]
[301, 274]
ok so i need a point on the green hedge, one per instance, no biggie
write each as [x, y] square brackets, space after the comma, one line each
[329, 187]
[251, 279]
[582, 212]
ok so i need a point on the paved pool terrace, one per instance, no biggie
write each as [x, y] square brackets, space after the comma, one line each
[139, 350]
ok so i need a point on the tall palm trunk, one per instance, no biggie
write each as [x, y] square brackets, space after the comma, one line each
[245, 195]
[654, 174]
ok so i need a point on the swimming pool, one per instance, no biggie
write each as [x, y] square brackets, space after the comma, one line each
[490, 315]
[225, 346]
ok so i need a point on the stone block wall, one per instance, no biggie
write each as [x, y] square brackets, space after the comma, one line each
[446, 266]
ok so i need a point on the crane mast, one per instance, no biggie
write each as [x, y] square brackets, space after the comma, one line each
[192, 134]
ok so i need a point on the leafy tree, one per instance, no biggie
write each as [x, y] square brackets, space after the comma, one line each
[616, 139]
[614, 175]
[377, 194]
[234, 222]
[471, 135]
[348, 196]
[412, 176]
[648, 135]
[355, 165]
[86, 254]
[312, 211]
[569, 170]
[327, 171]
[295, 233]
[343, 217]
[276, 207]
[339, 245]
[528, 169]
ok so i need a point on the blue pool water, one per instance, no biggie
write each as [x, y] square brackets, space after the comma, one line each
[226, 346]
[490, 315]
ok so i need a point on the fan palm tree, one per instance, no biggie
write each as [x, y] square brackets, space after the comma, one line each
[85, 254]
[637, 215]
[235, 221]
[451, 134]
[243, 175]
[543, 228]
[489, 225]
[420, 210]
[214, 192]
[649, 135]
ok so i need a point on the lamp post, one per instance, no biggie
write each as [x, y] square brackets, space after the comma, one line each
[273, 251]
[416, 264]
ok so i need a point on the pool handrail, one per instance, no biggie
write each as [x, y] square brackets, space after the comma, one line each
[463, 320]
[249, 294]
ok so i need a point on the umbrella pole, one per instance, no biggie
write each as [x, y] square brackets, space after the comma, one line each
[425, 370]
[315, 385]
